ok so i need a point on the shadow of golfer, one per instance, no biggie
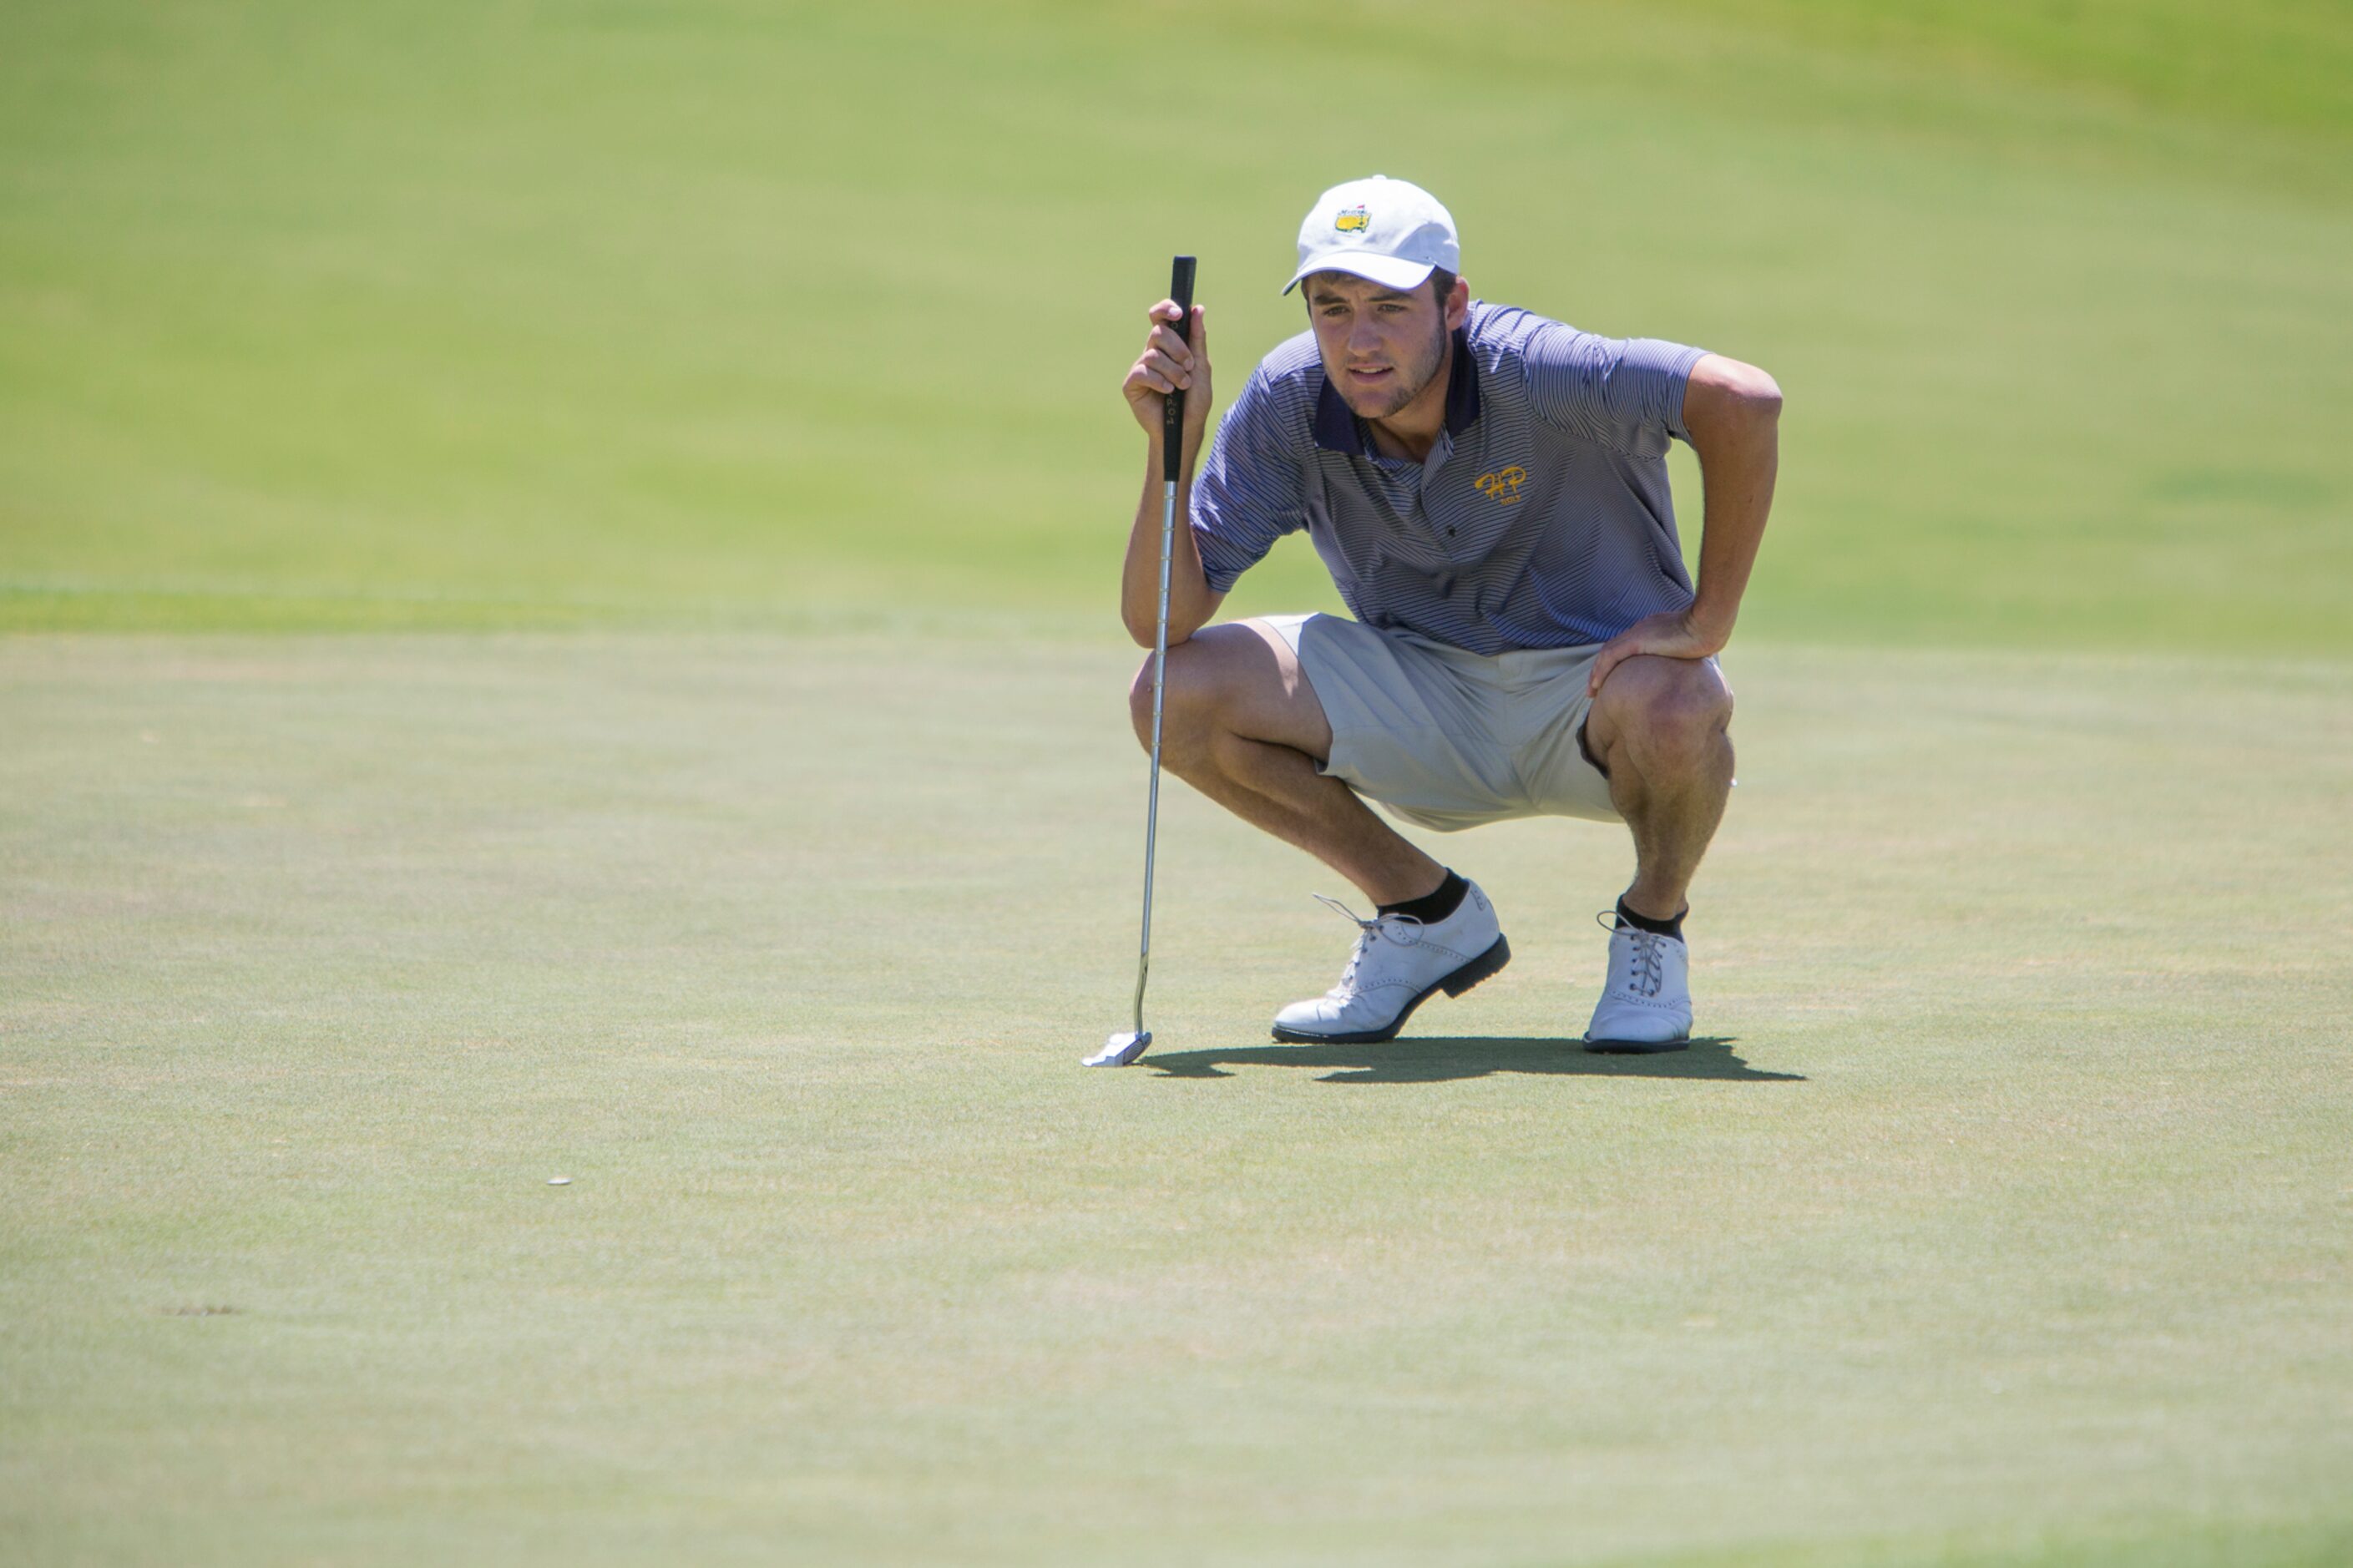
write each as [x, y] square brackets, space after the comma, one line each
[1444, 1060]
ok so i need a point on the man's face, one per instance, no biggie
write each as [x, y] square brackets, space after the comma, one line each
[1382, 348]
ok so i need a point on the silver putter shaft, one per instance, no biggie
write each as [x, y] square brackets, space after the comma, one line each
[1121, 1049]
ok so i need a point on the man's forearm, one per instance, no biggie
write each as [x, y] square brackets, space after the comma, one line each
[1190, 602]
[1736, 433]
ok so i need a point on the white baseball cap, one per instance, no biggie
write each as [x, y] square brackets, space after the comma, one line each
[1390, 231]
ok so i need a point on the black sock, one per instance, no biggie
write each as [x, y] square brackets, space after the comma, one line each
[1432, 908]
[1673, 928]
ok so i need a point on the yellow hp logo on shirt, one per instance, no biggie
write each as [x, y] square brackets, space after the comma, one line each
[1503, 486]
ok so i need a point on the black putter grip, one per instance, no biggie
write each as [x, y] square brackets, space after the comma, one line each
[1172, 414]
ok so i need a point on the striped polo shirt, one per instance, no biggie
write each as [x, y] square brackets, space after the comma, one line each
[1541, 517]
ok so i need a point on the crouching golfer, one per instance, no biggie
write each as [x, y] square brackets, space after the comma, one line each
[1489, 489]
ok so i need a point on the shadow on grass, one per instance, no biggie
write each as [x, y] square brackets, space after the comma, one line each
[1443, 1060]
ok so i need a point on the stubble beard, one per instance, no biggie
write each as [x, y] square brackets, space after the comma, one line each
[1413, 379]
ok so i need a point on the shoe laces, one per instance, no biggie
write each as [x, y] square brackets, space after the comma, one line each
[1646, 976]
[1368, 932]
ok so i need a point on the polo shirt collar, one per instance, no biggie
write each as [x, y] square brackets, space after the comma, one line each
[1338, 429]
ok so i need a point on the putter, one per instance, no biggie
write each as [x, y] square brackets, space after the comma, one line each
[1122, 1049]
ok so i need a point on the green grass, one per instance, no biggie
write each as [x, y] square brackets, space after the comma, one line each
[717, 314]
[695, 427]
[2002, 1217]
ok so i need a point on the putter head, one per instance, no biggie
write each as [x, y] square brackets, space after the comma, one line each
[1121, 1049]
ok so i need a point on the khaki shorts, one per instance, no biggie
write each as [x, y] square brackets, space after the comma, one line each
[1446, 739]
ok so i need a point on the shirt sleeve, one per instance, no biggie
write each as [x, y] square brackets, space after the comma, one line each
[1250, 491]
[1626, 393]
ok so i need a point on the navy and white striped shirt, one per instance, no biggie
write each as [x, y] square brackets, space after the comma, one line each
[1541, 518]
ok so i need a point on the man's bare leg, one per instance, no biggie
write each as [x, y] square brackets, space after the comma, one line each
[1241, 724]
[1660, 728]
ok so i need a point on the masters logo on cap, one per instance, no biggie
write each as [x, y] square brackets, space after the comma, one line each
[1386, 230]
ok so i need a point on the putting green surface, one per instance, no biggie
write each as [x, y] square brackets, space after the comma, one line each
[555, 561]
[2003, 1214]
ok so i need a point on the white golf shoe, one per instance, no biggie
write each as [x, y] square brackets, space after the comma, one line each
[1646, 1003]
[1397, 963]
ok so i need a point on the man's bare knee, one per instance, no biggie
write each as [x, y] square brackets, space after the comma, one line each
[1139, 702]
[1191, 697]
[1235, 677]
[1664, 715]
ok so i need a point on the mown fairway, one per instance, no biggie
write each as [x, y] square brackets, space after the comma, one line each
[358, 315]
[555, 567]
[2006, 1210]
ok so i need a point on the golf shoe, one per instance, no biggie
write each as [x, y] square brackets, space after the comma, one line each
[1397, 963]
[1646, 1003]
